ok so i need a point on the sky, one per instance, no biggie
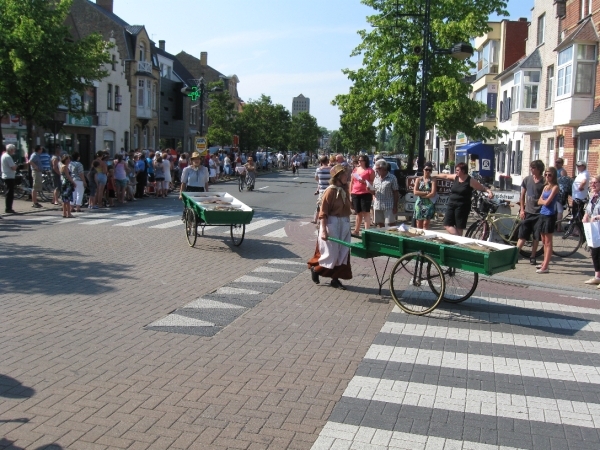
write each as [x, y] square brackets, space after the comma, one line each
[280, 48]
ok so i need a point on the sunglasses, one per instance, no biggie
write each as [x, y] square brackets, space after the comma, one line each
[427, 170]
[548, 174]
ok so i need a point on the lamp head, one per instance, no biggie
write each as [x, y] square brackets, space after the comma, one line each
[461, 51]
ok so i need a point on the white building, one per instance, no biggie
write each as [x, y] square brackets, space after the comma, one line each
[300, 104]
[113, 106]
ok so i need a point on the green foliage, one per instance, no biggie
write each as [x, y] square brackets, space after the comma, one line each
[387, 88]
[304, 133]
[263, 124]
[336, 144]
[222, 114]
[40, 64]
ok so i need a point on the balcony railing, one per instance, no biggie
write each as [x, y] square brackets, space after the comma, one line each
[145, 66]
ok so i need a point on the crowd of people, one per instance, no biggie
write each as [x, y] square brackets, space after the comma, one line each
[127, 176]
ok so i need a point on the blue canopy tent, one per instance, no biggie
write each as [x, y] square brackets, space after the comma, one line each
[485, 154]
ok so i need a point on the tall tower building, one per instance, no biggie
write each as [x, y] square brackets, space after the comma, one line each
[299, 104]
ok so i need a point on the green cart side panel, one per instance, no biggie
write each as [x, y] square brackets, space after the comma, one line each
[376, 243]
[218, 217]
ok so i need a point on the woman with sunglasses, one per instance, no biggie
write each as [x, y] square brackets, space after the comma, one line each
[459, 203]
[592, 214]
[547, 220]
[362, 177]
[425, 189]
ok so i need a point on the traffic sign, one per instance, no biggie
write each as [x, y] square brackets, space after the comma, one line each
[200, 144]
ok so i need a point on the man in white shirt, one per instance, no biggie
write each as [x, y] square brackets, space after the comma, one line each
[280, 160]
[9, 171]
[580, 189]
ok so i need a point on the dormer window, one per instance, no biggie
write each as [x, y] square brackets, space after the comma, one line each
[142, 52]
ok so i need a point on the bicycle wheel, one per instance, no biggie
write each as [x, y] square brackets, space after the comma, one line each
[567, 241]
[21, 189]
[411, 280]
[526, 250]
[480, 230]
[460, 284]
[191, 226]
[237, 234]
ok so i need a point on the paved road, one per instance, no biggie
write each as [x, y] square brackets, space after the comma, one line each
[116, 334]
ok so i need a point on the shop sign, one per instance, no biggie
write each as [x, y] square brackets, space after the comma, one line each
[10, 138]
[85, 121]
[15, 119]
[461, 138]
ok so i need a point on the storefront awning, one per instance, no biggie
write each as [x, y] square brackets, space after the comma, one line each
[485, 152]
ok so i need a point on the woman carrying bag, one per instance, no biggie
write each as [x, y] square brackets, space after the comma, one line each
[426, 192]
[592, 216]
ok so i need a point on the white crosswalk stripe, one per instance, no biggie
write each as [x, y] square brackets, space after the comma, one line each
[528, 362]
[267, 227]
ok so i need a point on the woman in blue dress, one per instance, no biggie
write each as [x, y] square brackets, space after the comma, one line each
[425, 189]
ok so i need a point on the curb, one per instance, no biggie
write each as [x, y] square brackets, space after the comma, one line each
[540, 285]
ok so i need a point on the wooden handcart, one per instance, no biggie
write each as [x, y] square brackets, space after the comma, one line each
[204, 209]
[431, 267]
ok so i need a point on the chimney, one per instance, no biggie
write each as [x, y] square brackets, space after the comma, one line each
[105, 4]
[523, 19]
[161, 44]
[203, 58]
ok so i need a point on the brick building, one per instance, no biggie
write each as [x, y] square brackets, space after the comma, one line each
[140, 67]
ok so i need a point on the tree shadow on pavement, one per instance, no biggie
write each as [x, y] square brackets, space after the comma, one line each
[12, 388]
[5, 444]
[33, 270]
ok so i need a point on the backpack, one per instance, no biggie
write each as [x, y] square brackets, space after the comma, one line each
[565, 186]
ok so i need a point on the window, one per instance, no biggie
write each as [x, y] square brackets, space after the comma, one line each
[136, 137]
[155, 138]
[517, 159]
[126, 140]
[586, 8]
[551, 156]
[154, 96]
[583, 148]
[487, 59]
[549, 86]
[109, 99]
[192, 114]
[113, 63]
[531, 81]
[561, 146]
[565, 71]
[584, 76]
[118, 99]
[145, 133]
[541, 24]
[515, 91]
[535, 150]
[142, 52]
[141, 93]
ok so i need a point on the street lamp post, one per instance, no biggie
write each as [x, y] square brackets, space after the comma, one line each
[459, 51]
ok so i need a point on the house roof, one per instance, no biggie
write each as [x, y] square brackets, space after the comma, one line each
[592, 119]
[585, 32]
[178, 68]
[590, 126]
[110, 15]
[194, 66]
[508, 70]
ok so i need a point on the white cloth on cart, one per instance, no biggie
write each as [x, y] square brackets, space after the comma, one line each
[332, 253]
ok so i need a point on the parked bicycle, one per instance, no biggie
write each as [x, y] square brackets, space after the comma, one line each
[497, 227]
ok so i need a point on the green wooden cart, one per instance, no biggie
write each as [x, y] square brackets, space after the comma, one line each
[204, 209]
[431, 267]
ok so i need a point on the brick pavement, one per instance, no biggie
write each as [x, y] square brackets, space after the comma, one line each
[72, 330]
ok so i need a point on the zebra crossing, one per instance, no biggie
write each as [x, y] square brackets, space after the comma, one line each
[492, 374]
[266, 227]
[209, 314]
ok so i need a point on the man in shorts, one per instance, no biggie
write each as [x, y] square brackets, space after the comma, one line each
[531, 190]
[35, 162]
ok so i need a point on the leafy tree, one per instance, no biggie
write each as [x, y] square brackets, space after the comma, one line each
[41, 66]
[388, 85]
[356, 121]
[263, 124]
[222, 114]
[382, 140]
[304, 133]
[336, 144]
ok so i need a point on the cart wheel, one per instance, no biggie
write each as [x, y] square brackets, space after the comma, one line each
[237, 234]
[460, 284]
[191, 226]
[411, 280]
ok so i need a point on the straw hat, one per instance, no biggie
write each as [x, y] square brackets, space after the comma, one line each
[195, 155]
[336, 170]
